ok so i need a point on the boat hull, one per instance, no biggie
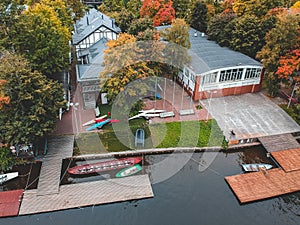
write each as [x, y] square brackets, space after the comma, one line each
[129, 171]
[104, 166]
[8, 176]
[256, 167]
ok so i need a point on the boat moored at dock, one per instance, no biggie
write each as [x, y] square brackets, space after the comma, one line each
[254, 167]
[104, 166]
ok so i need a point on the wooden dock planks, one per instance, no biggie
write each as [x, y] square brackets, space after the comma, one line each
[289, 160]
[10, 202]
[279, 142]
[59, 147]
[261, 185]
[88, 194]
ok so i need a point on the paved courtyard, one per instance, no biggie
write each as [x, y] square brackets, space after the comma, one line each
[249, 115]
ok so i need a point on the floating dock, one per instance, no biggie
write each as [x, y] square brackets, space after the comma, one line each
[255, 186]
[87, 194]
[10, 202]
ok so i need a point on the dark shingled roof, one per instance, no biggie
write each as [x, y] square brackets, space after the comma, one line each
[207, 55]
[92, 71]
[90, 22]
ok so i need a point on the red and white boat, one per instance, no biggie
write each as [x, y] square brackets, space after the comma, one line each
[104, 166]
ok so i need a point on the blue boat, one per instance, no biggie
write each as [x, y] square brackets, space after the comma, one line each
[98, 125]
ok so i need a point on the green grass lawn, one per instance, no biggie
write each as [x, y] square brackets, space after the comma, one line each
[120, 137]
[186, 134]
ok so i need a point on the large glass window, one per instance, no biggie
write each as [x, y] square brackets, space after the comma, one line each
[231, 75]
[252, 73]
[210, 78]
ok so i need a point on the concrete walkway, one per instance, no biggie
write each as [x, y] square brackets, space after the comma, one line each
[249, 116]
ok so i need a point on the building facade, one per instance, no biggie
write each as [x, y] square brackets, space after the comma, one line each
[91, 34]
[217, 71]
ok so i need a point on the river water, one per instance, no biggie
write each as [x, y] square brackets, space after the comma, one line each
[190, 196]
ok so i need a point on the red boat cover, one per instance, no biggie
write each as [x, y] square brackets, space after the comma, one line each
[10, 202]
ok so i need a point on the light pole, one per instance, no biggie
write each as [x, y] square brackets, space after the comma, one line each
[74, 106]
[290, 98]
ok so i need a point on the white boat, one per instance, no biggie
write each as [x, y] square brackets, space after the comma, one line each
[152, 111]
[8, 176]
[93, 120]
[256, 167]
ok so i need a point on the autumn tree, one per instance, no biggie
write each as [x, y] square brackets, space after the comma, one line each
[34, 101]
[122, 64]
[4, 100]
[62, 13]
[42, 38]
[289, 65]
[176, 50]
[279, 41]
[160, 11]
[198, 19]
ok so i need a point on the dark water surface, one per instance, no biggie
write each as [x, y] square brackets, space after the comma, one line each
[188, 197]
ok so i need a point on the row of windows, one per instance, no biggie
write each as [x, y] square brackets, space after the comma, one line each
[252, 73]
[232, 75]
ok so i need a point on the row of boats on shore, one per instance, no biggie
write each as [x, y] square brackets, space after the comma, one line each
[126, 166]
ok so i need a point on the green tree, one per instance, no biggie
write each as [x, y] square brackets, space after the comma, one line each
[34, 101]
[109, 6]
[134, 7]
[183, 8]
[9, 12]
[140, 25]
[124, 19]
[40, 36]
[217, 24]
[7, 160]
[279, 40]
[247, 36]
[198, 19]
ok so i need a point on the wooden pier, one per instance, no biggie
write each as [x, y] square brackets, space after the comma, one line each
[88, 194]
[254, 186]
[59, 147]
[51, 196]
[279, 142]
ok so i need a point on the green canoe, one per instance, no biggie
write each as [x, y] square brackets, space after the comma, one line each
[129, 171]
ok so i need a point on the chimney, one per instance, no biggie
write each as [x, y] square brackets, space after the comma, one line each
[87, 21]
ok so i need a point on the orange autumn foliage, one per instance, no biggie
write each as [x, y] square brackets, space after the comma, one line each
[3, 99]
[289, 66]
[160, 11]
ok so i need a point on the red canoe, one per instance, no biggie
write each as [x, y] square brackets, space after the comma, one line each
[104, 166]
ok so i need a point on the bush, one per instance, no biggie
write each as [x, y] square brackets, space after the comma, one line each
[7, 160]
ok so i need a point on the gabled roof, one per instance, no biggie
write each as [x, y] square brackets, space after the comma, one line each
[90, 22]
[92, 70]
[207, 55]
